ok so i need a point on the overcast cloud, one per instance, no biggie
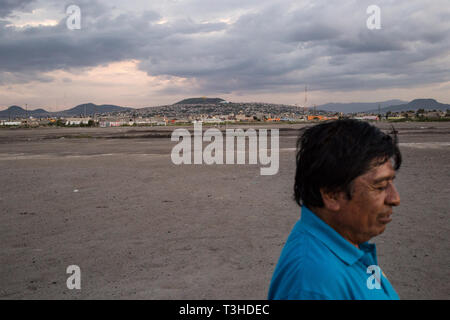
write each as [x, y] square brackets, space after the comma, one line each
[233, 47]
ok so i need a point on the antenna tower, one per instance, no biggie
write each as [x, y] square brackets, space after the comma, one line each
[306, 95]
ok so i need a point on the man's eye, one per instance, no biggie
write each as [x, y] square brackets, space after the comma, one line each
[382, 188]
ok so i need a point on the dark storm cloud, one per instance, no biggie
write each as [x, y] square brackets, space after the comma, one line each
[8, 6]
[46, 48]
[268, 47]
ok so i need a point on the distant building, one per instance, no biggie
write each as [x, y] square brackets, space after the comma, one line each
[317, 117]
[145, 122]
[10, 123]
[76, 121]
[243, 117]
[321, 117]
[288, 119]
[112, 123]
[396, 118]
[374, 118]
[213, 120]
[434, 114]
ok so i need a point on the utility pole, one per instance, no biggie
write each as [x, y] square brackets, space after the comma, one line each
[306, 95]
[306, 99]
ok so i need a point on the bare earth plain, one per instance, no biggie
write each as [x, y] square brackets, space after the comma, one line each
[111, 201]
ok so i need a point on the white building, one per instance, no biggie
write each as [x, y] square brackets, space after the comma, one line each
[76, 121]
[213, 120]
[112, 123]
[10, 123]
[367, 118]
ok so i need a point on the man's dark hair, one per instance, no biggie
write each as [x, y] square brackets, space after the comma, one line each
[332, 154]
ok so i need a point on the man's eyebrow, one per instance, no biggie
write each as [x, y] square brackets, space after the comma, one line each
[381, 179]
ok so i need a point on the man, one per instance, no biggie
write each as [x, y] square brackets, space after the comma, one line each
[344, 185]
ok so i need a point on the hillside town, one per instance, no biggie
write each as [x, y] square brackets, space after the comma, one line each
[214, 114]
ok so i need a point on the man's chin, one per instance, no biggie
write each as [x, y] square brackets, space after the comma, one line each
[378, 230]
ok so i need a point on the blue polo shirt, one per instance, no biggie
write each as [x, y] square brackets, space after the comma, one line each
[317, 263]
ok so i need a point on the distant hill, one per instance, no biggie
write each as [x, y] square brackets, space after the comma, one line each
[203, 100]
[426, 104]
[353, 107]
[89, 108]
[16, 111]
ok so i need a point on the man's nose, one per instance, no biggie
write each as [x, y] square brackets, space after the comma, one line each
[392, 197]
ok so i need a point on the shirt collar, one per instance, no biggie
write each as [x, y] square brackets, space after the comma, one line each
[341, 247]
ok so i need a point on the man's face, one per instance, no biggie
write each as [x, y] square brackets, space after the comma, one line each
[369, 210]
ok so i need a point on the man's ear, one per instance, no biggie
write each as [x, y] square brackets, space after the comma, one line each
[331, 199]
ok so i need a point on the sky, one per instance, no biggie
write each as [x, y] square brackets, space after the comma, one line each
[157, 52]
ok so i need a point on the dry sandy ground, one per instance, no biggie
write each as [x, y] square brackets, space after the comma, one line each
[140, 227]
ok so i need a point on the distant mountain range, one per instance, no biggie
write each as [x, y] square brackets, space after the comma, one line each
[87, 109]
[426, 104]
[90, 109]
[385, 106]
[358, 106]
